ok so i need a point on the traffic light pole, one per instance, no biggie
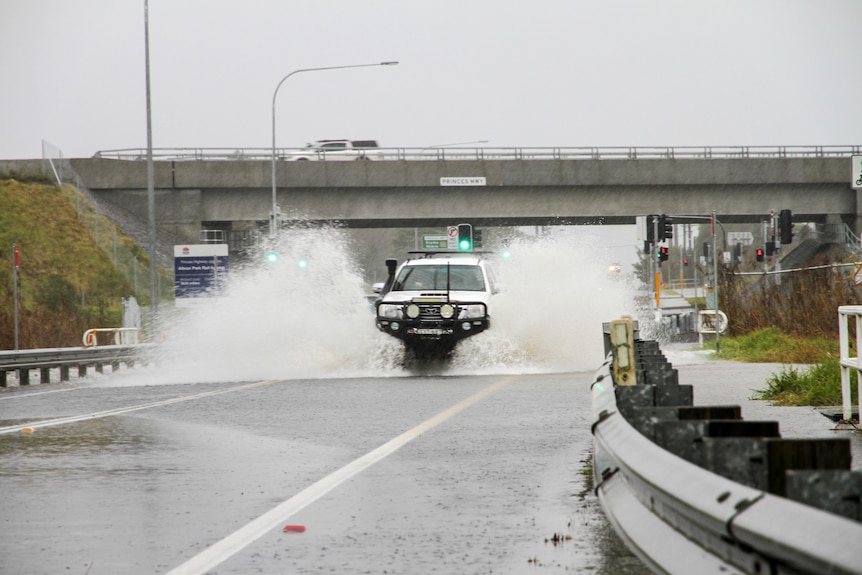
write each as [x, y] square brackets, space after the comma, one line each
[714, 220]
[657, 258]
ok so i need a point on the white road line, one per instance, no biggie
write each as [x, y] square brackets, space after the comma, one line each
[22, 395]
[122, 410]
[244, 536]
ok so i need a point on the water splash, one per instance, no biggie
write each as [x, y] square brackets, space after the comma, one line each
[557, 293]
[282, 321]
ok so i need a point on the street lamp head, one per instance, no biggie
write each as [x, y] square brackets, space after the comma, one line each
[273, 227]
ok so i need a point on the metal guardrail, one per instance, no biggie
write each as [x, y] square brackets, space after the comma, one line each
[489, 153]
[668, 477]
[65, 358]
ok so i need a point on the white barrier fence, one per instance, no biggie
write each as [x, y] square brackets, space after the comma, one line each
[119, 336]
[845, 312]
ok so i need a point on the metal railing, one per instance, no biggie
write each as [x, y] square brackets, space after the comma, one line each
[502, 153]
[64, 358]
[848, 237]
[698, 490]
[845, 312]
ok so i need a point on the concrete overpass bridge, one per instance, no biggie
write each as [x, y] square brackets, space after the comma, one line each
[232, 189]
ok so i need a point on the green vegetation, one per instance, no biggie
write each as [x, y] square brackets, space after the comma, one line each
[791, 320]
[769, 345]
[819, 384]
[67, 282]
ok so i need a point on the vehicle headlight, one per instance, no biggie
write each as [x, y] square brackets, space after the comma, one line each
[472, 311]
[389, 311]
[446, 311]
[412, 311]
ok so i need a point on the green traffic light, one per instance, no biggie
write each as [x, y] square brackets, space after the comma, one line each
[302, 264]
[272, 257]
[464, 245]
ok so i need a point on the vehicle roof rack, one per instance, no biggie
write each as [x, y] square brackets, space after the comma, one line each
[430, 253]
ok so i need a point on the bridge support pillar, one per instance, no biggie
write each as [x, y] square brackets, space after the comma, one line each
[834, 227]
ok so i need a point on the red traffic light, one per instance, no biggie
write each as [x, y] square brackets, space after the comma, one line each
[685, 262]
[759, 254]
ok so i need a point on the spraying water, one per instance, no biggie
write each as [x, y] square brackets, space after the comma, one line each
[307, 315]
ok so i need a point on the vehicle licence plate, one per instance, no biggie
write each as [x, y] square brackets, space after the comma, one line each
[432, 331]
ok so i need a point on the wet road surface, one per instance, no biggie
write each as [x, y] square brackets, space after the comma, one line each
[424, 474]
[498, 484]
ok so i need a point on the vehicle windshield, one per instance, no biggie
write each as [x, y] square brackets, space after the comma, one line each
[460, 277]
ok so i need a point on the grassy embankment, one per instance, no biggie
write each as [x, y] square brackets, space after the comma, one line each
[67, 282]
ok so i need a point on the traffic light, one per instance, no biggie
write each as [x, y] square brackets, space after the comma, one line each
[272, 256]
[785, 226]
[665, 227]
[302, 264]
[650, 229]
[662, 254]
[685, 262]
[770, 248]
[759, 254]
[465, 237]
[477, 238]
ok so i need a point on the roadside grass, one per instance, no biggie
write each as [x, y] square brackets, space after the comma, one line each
[817, 384]
[769, 345]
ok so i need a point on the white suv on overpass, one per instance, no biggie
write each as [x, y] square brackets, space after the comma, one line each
[338, 151]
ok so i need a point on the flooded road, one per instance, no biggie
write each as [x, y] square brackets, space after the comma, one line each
[280, 404]
[489, 474]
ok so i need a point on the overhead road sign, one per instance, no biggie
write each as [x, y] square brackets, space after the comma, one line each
[468, 181]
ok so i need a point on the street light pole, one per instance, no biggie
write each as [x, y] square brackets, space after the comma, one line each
[151, 195]
[273, 218]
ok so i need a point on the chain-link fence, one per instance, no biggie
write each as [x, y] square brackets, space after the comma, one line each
[129, 258]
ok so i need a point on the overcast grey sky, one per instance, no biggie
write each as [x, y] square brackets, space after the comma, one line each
[515, 73]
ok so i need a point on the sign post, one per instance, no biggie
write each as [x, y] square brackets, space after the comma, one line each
[199, 270]
[16, 262]
[435, 241]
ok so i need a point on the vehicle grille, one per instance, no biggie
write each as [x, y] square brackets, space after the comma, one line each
[429, 312]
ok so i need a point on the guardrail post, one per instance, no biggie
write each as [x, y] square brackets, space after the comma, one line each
[64, 373]
[23, 377]
[44, 375]
[3, 382]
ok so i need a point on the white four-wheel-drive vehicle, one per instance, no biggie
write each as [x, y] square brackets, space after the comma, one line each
[339, 151]
[435, 300]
